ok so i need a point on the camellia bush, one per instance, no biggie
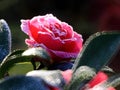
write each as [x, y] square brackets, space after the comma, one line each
[57, 58]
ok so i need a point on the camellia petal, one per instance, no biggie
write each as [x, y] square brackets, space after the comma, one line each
[72, 45]
[68, 29]
[57, 56]
[24, 26]
[57, 37]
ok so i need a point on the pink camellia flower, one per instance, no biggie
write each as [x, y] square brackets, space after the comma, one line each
[57, 37]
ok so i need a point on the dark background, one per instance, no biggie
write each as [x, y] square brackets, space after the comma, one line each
[83, 15]
[86, 16]
[71, 11]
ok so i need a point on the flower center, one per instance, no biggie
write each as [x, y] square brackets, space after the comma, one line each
[58, 31]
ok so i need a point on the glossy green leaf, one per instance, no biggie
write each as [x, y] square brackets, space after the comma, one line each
[114, 80]
[16, 52]
[20, 68]
[98, 50]
[7, 65]
[13, 54]
[18, 56]
[41, 56]
[80, 77]
[39, 52]
[108, 70]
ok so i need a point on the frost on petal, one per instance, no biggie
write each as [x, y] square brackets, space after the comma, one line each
[56, 55]
[78, 36]
[31, 43]
[24, 26]
[68, 29]
[73, 45]
[49, 41]
[57, 37]
[52, 19]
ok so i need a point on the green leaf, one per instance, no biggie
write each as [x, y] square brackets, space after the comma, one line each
[80, 77]
[13, 54]
[8, 64]
[114, 81]
[5, 39]
[21, 56]
[41, 56]
[98, 50]
[39, 52]
[20, 68]
[107, 70]
[16, 52]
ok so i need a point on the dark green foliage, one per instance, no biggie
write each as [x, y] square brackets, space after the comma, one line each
[98, 50]
[19, 56]
[80, 77]
[114, 80]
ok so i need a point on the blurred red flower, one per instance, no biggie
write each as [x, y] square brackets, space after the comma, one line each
[95, 83]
